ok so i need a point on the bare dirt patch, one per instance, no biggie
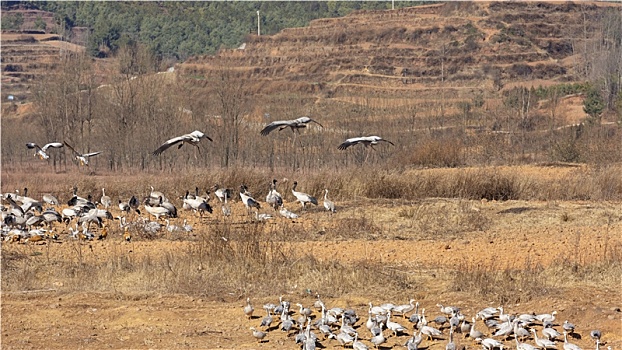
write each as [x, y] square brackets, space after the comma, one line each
[559, 240]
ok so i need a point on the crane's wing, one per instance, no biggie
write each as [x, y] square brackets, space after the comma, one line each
[32, 145]
[168, 144]
[306, 120]
[91, 154]
[349, 142]
[274, 125]
[72, 149]
[52, 144]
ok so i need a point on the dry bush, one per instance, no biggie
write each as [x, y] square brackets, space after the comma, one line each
[224, 262]
[504, 286]
[444, 219]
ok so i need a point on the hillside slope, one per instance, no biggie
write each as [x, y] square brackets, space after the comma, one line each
[461, 49]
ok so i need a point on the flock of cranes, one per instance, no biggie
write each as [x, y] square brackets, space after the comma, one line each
[196, 136]
[26, 219]
[375, 326]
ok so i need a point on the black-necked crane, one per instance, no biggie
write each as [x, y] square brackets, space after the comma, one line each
[249, 202]
[302, 197]
[82, 158]
[192, 138]
[274, 198]
[365, 140]
[41, 151]
[294, 124]
[221, 193]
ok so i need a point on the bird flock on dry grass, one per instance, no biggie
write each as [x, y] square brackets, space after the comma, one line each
[317, 325]
[196, 136]
[26, 219]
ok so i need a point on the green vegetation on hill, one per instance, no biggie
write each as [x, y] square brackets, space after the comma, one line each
[184, 28]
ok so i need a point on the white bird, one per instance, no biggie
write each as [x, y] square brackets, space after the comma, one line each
[82, 158]
[249, 202]
[288, 214]
[328, 204]
[294, 124]
[430, 332]
[274, 198]
[50, 199]
[105, 200]
[394, 326]
[569, 346]
[40, 151]
[523, 346]
[544, 318]
[302, 197]
[550, 333]
[490, 344]
[543, 343]
[403, 309]
[248, 309]
[365, 140]
[192, 138]
[262, 217]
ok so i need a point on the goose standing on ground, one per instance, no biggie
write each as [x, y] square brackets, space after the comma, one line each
[294, 124]
[550, 333]
[543, 343]
[328, 204]
[248, 309]
[259, 335]
[274, 198]
[40, 151]
[544, 318]
[394, 326]
[568, 327]
[430, 332]
[192, 138]
[523, 346]
[451, 345]
[473, 333]
[82, 158]
[302, 197]
[368, 141]
[595, 335]
[569, 346]
[403, 309]
[490, 344]
[105, 200]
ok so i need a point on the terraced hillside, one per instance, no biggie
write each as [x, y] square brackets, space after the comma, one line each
[448, 52]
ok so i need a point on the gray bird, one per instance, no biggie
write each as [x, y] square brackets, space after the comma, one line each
[192, 138]
[294, 124]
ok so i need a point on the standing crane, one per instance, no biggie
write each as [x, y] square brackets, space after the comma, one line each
[302, 197]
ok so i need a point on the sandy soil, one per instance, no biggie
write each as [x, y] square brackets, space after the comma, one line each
[539, 231]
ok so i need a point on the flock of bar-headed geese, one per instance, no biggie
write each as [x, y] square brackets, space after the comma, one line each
[26, 219]
[313, 324]
[196, 136]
